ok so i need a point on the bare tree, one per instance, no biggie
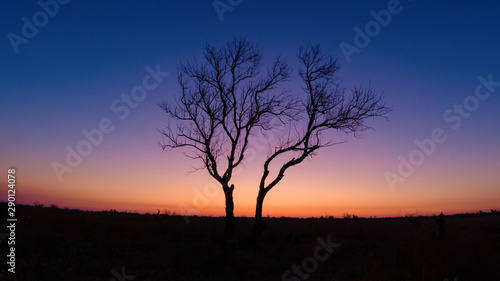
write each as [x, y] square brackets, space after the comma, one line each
[327, 108]
[224, 99]
[227, 98]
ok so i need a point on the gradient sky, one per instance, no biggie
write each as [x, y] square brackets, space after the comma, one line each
[426, 59]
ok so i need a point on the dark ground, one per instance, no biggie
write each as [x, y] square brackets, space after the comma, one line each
[57, 244]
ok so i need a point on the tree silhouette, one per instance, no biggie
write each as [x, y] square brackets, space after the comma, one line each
[327, 107]
[227, 98]
[224, 99]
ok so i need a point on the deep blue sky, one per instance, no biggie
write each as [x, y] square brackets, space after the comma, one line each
[65, 78]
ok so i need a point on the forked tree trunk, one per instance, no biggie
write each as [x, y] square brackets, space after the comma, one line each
[258, 224]
[230, 222]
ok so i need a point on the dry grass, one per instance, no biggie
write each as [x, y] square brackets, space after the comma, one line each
[54, 244]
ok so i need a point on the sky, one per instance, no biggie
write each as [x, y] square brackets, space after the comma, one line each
[66, 66]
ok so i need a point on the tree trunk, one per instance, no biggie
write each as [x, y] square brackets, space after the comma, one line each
[258, 224]
[230, 222]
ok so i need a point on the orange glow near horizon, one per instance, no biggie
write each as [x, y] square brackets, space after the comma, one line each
[271, 207]
[336, 191]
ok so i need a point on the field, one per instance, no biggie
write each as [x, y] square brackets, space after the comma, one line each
[61, 244]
